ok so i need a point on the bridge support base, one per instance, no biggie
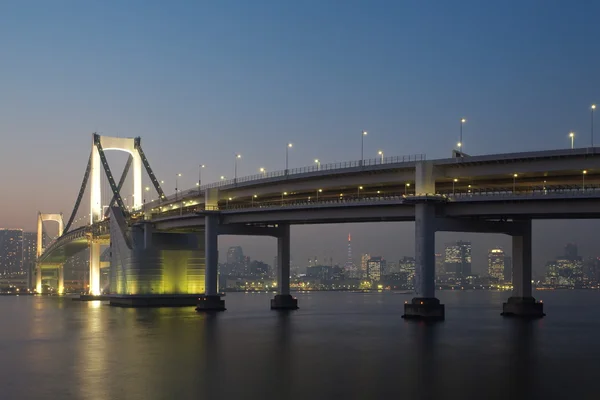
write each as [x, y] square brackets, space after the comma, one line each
[426, 308]
[210, 303]
[284, 302]
[523, 307]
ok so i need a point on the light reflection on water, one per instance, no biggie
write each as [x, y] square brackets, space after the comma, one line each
[338, 345]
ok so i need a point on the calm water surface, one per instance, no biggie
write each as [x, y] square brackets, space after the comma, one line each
[337, 346]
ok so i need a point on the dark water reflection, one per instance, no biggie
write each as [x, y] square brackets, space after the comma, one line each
[338, 345]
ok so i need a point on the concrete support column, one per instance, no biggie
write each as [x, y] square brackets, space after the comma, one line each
[283, 261]
[425, 250]
[425, 305]
[94, 268]
[61, 279]
[211, 300]
[521, 266]
[211, 249]
[38, 278]
[283, 300]
[522, 303]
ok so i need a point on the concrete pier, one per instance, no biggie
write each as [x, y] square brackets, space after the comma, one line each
[522, 303]
[211, 301]
[425, 305]
[283, 300]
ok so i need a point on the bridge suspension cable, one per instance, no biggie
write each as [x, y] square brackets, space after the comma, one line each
[79, 196]
[121, 183]
[155, 182]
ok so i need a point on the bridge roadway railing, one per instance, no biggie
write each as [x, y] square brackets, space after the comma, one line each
[340, 166]
[98, 229]
[317, 168]
[592, 191]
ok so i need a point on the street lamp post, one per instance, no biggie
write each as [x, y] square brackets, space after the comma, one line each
[237, 156]
[319, 191]
[453, 183]
[318, 164]
[362, 147]
[287, 148]
[283, 194]
[515, 182]
[262, 171]
[572, 136]
[406, 186]
[176, 184]
[583, 179]
[592, 122]
[380, 152]
[252, 200]
[358, 191]
[200, 177]
[460, 139]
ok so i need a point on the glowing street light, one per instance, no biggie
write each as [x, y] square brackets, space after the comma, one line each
[460, 140]
[319, 191]
[176, 184]
[572, 136]
[362, 147]
[406, 186]
[262, 171]
[287, 148]
[593, 107]
[200, 176]
[584, 173]
[453, 183]
[283, 194]
[237, 157]
[380, 152]
[223, 177]
[318, 164]
[515, 182]
[358, 191]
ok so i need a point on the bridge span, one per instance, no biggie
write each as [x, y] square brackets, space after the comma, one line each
[179, 233]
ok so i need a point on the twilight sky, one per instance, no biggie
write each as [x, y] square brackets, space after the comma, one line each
[200, 81]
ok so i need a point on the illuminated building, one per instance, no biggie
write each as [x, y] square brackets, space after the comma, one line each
[375, 266]
[439, 265]
[457, 259]
[496, 264]
[29, 249]
[11, 251]
[407, 268]
[566, 271]
[364, 261]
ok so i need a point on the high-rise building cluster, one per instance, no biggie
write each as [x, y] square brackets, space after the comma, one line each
[570, 270]
[11, 251]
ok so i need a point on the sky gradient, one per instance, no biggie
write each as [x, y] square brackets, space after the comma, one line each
[200, 81]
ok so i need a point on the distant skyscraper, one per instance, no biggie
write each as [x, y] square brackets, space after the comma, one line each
[571, 252]
[496, 264]
[439, 265]
[11, 251]
[407, 267]
[457, 260]
[375, 266]
[349, 261]
[364, 261]
[29, 253]
[235, 255]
